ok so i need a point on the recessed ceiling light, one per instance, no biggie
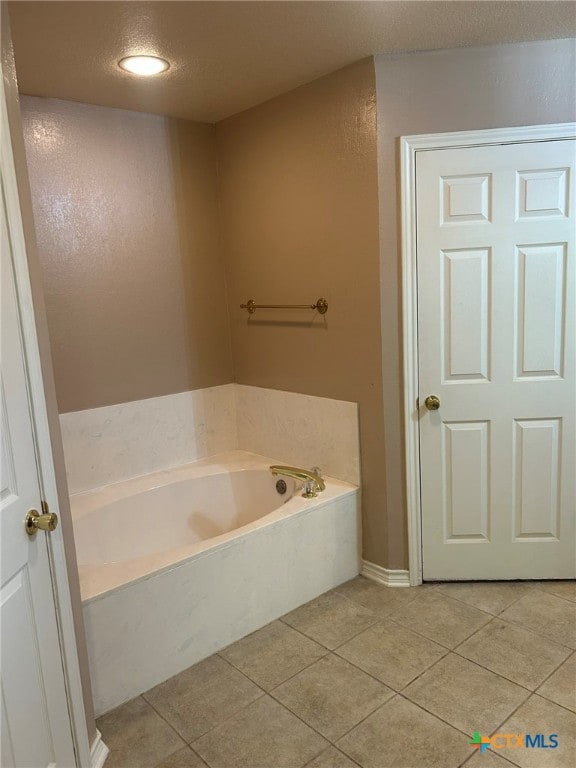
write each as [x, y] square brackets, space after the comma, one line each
[145, 66]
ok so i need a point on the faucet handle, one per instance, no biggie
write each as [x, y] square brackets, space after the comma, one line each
[317, 471]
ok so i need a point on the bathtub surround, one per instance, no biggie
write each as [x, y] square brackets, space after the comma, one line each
[116, 442]
[113, 443]
[126, 220]
[305, 431]
[199, 598]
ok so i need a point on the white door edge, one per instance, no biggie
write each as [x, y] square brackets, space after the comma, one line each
[43, 445]
[409, 146]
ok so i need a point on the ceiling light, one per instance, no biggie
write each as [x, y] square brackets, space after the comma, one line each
[144, 66]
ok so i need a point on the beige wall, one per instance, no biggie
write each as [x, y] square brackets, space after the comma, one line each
[298, 197]
[439, 91]
[126, 220]
[16, 136]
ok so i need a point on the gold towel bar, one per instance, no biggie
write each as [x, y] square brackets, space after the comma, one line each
[321, 306]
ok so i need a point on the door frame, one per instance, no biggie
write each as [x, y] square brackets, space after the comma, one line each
[85, 755]
[409, 147]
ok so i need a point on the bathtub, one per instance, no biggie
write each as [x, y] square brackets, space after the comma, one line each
[178, 564]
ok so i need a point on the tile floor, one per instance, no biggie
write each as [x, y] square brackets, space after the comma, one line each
[371, 676]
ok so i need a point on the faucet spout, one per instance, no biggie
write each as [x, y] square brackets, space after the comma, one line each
[313, 482]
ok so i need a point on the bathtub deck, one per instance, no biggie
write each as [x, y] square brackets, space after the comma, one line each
[367, 675]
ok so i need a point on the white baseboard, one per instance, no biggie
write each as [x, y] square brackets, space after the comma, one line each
[385, 576]
[98, 752]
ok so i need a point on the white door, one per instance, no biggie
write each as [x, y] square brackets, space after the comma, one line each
[35, 722]
[496, 274]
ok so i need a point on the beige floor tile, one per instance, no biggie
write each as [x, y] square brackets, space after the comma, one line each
[392, 653]
[273, 654]
[440, 618]
[202, 696]
[514, 652]
[332, 696]
[545, 614]
[538, 715]
[378, 598]
[401, 735]
[330, 619]
[332, 758]
[262, 735]
[488, 759]
[561, 686]
[565, 589]
[137, 736]
[465, 695]
[490, 596]
[184, 758]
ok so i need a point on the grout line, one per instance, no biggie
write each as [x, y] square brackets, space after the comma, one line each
[224, 720]
[548, 592]
[456, 727]
[471, 605]
[555, 703]
[331, 650]
[389, 618]
[266, 693]
[161, 716]
[332, 746]
[353, 664]
[553, 673]
[274, 687]
[434, 640]
[515, 625]
[538, 634]
[497, 674]
[476, 631]
[359, 723]
[396, 690]
[187, 746]
[451, 725]
[501, 674]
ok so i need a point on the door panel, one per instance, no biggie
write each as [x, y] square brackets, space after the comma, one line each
[537, 453]
[496, 343]
[540, 301]
[466, 293]
[36, 729]
[466, 480]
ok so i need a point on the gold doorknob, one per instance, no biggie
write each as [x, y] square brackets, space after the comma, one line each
[45, 522]
[432, 402]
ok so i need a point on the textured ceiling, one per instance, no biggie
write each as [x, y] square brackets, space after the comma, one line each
[228, 56]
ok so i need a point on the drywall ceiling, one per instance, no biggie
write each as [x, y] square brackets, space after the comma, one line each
[228, 56]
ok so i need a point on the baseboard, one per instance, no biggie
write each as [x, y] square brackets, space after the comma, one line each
[385, 576]
[98, 752]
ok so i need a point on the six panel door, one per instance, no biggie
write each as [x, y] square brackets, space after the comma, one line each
[496, 343]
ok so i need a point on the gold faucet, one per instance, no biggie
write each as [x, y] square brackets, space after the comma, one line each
[313, 483]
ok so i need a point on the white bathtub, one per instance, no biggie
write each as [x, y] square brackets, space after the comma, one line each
[178, 564]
